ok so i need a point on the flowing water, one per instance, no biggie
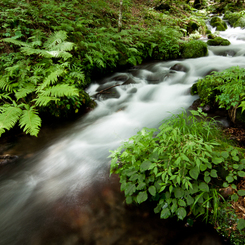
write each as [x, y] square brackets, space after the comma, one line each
[64, 195]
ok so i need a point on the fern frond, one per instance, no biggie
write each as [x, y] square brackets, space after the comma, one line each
[16, 42]
[30, 121]
[60, 90]
[55, 39]
[44, 100]
[8, 118]
[64, 46]
[5, 84]
[24, 91]
[31, 51]
[60, 54]
[51, 78]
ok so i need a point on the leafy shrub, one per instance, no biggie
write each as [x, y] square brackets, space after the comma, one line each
[218, 41]
[194, 49]
[180, 167]
[224, 89]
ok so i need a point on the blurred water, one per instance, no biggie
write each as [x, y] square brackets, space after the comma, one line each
[78, 158]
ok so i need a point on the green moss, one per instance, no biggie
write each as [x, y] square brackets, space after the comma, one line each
[192, 26]
[232, 17]
[218, 41]
[211, 36]
[218, 23]
[194, 49]
[240, 22]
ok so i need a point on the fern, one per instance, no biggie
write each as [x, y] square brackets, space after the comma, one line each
[5, 84]
[44, 100]
[60, 90]
[24, 91]
[52, 78]
[54, 39]
[30, 121]
[8, 117]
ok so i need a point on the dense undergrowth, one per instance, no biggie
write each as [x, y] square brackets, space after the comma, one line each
[50, 51]
[187, 169]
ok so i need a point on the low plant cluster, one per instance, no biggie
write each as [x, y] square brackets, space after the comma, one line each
[224, 89]
[181, 167]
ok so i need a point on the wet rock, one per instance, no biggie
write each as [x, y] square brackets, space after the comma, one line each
[227, 53]
[129, 81]
[179, 67]
[210, 72]
[132, 91]
[194, 49]
[6, 159]
[108, 93]
[206, 108]
[121, 78]
[154, 78]
[218, 41]
[218, 23]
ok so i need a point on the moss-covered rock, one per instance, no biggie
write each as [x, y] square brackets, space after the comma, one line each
[240, 22]
[232, 17]
[218, 23]
[211, 36]
[218, 41]
[194, 49]
[191, 27]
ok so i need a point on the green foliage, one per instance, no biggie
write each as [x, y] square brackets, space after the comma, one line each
[218, 41]
[180, 167]
[233, 17]
[194, 49]
[224, 89]
[35, 79]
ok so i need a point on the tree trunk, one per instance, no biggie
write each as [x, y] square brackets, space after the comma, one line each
[120, 16]
[232, 113]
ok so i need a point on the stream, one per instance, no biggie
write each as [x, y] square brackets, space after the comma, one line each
[63, 194]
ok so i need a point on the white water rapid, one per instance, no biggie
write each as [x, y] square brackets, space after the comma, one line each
[79, 156]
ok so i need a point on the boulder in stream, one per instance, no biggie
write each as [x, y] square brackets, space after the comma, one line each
[194, 49]
[218, 41]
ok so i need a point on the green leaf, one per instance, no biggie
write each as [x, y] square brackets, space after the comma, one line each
[174, 207]
[235, 166]
[30, 121]
[234, 152]
[234, 197]
[213, 173]
[130, 189]
[235, 158]
[181, 213]
[217, 160]
[9, 118]
[241, 224]
[145, 166]
[241, 173]
[224, 154]
[141, 186]
[203, 187]
[225, 184]
[194, 172]
[129, 199]
[178, 192]
[189, 200]
[207, 179]
[194, 188]
[142, 196]
[165, 213]
[229, 179]
[152, 190]
[241, 192]
[203, 167]
[182, 203]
